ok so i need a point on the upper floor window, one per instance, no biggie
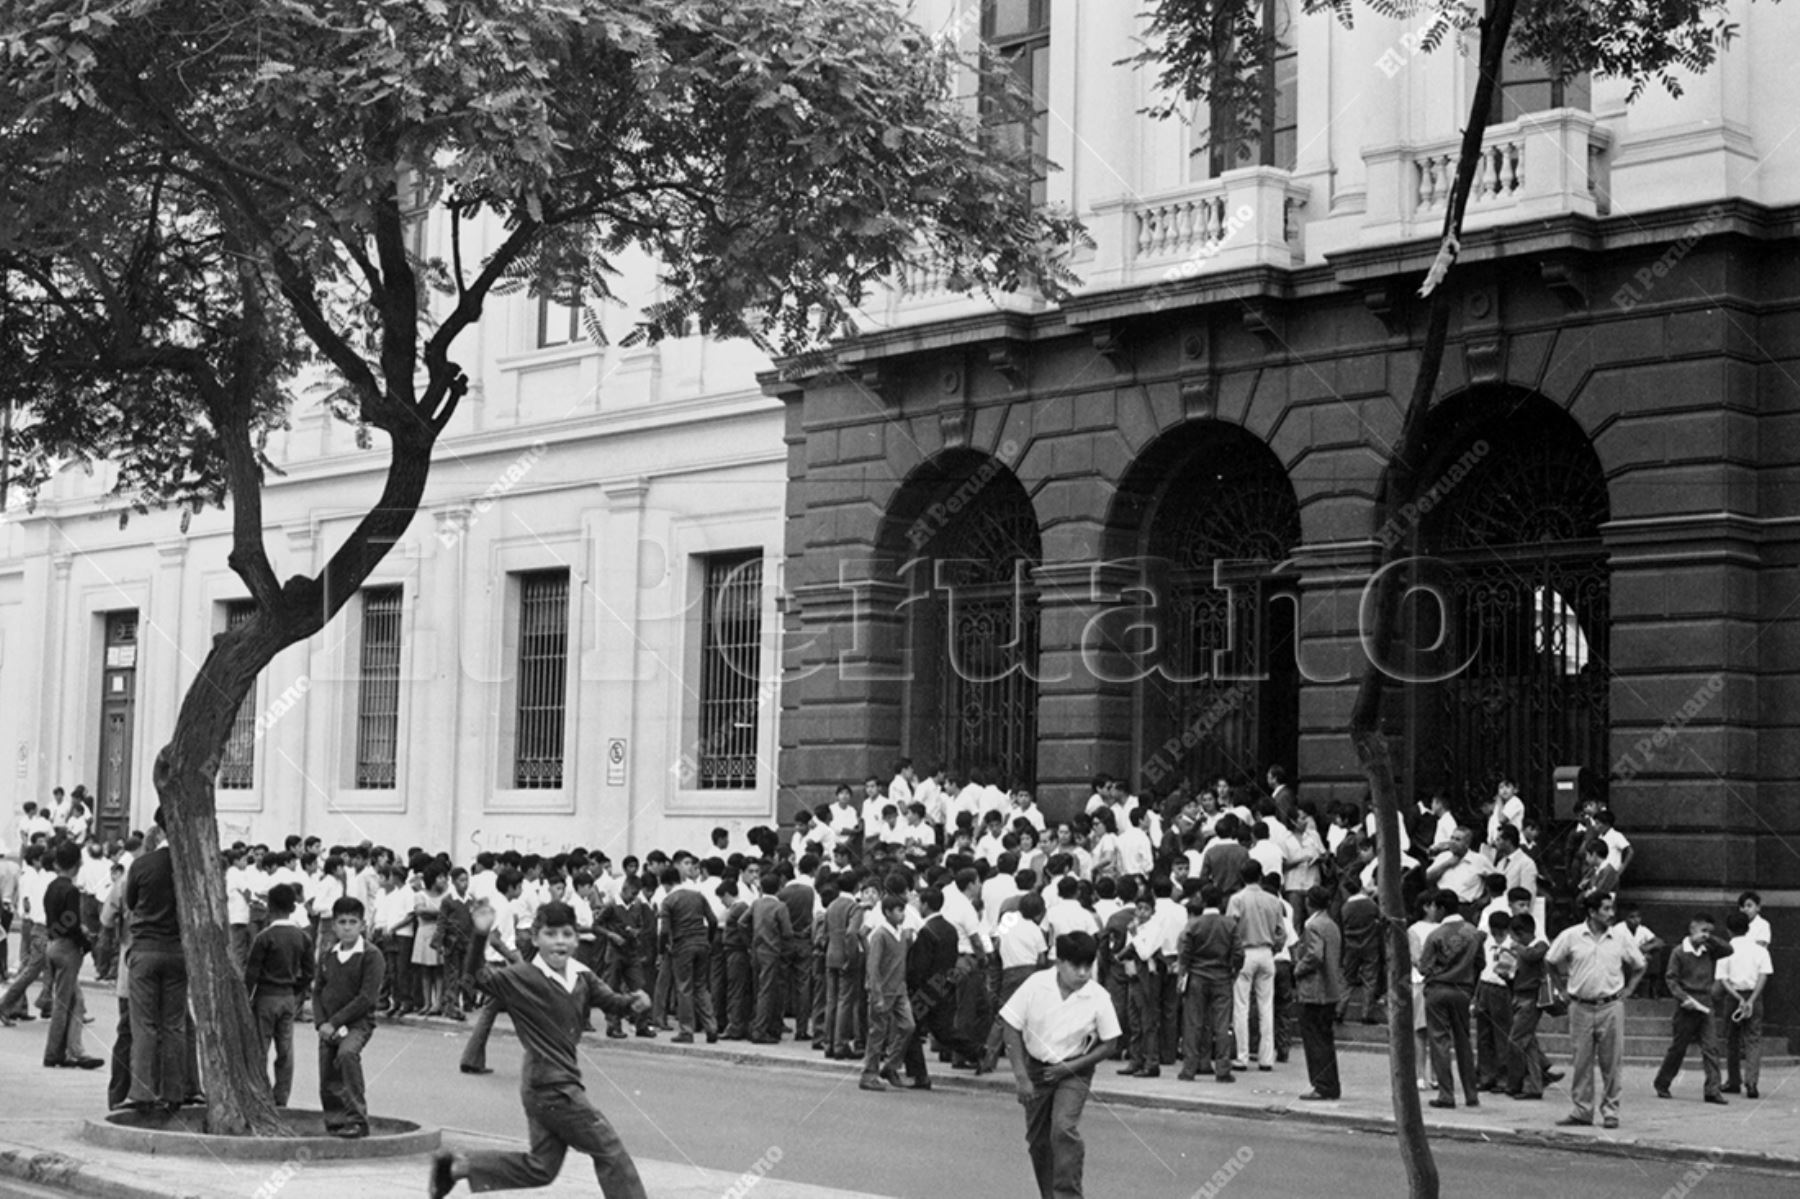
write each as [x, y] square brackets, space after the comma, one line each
[558, 320]
[1270, 136]
[1017, 33]
[1529, 85]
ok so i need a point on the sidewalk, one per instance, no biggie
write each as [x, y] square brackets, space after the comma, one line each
[1763, 1133]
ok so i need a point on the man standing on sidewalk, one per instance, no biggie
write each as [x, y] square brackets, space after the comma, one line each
[1261, 925]
[68, 944]
[33, 941]
[1599, 962]
[1737, 1001]
[159, 982]
[1690, 975]
[1319, 979]
[1452, 962]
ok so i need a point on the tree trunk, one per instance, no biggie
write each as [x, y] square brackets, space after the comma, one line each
[1399, 486]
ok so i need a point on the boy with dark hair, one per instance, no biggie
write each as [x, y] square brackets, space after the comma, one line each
[345, 991]
[278, 970]
[1737, 1001]
[890, 1011]
[67, 945]
[1691, 973]
[549, 999]
[1207, 961]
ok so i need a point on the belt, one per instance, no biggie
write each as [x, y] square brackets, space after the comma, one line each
[1602, 1001]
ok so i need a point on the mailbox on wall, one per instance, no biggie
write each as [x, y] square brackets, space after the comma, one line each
[1574, 786]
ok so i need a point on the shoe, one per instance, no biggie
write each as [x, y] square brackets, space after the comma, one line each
[820, 1045]
[1718, 1099]
[197, 1099]
[919, 1084]
[1240, 1065]
[1473, 1101]
[892, 1077]
[1315, 1097]
[1185, 1076]
[442, 1182]
[1443, 1103]
[1225, 1078]
[1610, 1122]
[871, 1083]
[86, 1063]
[712, 1038]
[647, 1033]
[1663, 1093]
[1552, 1077]
[1152, 1072]
[477, 1070]
[753, 1040]
[1574, 1122]
[1130, 1070]
[1281, 1059]
[1730, 1088]
[8, 1021]
[682, 1038]
[617, 1034]
[353, 1132]
[456, 1016]
[1266, 1069]
[1750, 1093]
[1523, 1095]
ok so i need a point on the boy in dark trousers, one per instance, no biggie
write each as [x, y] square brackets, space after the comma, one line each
[277, 972]
[548, 999]
[1690, 975]
[890, 1011]
[345, 992]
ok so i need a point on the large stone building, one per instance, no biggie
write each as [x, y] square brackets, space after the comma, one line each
[1131, 533]
[568, 646]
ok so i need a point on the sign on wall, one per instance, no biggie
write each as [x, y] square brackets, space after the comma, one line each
[615, 762]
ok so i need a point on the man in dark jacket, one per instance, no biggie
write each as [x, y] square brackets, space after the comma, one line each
[931, 982]
[800, 897]
[1319, 979]
[346, 989]
[1525, 1059]
[1207, 962]
[771, 947]
[158, 982]
[688, 925]
[1451, 964]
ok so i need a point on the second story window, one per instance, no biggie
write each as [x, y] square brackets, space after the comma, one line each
[1017, 34]
[1269, 137]
[558, 321]
[1529, 85]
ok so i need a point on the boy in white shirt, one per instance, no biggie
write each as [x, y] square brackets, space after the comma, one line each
[1750, 904]
[1737, 1001]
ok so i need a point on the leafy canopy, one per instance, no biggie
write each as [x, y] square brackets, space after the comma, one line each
[197, 196]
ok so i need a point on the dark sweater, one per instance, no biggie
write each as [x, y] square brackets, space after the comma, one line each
[62, 911]
[1453, 956]
[687, 918]
[280, 962]
[1688, 973]
[1208, 948]
[547, 1018]
[345, 993]
[150, 898]
[1361, 922]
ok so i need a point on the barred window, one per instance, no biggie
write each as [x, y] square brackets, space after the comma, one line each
[378, 690]
[543, 669]
[237, 769]
[730, 660]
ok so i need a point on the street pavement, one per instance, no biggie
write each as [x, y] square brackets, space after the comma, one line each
[702, 1122]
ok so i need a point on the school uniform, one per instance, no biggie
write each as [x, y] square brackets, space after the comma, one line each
[1737, 979]
[1058, 1028]
[345, 991]
[890, 1011]
[1452, 964]
[688, 924]
[771, 945]
[278, 971]
[931, 986]
[842, 923]
[1525, 1058]
[1208, 957]
[1691, 972]
[548, 1011]
[740, 995]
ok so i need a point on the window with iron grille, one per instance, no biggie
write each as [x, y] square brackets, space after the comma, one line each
[378, 691]
[542, 674]
[730, 668]
[1017, 34]
[237, 768]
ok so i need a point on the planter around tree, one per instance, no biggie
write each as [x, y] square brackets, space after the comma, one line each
[182, 1133]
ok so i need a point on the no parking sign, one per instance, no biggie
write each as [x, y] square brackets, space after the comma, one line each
[615, 762]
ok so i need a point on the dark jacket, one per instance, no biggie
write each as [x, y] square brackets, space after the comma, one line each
[931, 959]
[687, 918]
[771, 928]
[1453, 956]
[280, 962]
[1318, 968]
[150, 898]
[547, 1018]
[1208, 948]
[345, 993]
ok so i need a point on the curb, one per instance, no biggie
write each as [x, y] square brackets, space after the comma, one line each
[59, 1172]
[1536, 1138]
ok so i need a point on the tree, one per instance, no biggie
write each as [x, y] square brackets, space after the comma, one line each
[1218, 52]
[199, 196]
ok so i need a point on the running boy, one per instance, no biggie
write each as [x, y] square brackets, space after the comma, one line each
[548, 999]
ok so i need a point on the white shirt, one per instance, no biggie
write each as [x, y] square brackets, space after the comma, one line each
[344, 955]
[1759, 931]
[391, 908]
[1520, 871]
[994, 892]
[1267, 854]
[1748, 962]
[993, 799]
[1021, 943]
[1068, 916]
[900, 794]
[960, 914]
[1616, 845]
[918, 834]
[1162, 932]
[32, 885]
[1136, 855]
[1030, 815]
[565, 980]
[237, 895]
[1511, 812]
[1464, 877]
[1446, 828]
[932, 796]
[328, 892]
[481, 885]
[1291, 940]
[1056, 1028]
[95, 877]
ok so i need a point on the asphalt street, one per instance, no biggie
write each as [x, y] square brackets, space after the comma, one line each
[820, 1129]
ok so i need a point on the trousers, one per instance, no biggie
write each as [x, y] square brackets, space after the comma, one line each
[560, 1119]
[1208, 1024]
[275, 1026]
[1525, 1059]
[1447, 1020]
[890, 1032]
[1317, 1038]
[1256, 976]
[1598, 1034]
[341, 1092]
[1690, 1026]
[67, 1008]
[158, 986]
[1053, 1134]
[1743, 1038]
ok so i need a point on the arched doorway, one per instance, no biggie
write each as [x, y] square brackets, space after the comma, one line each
[1518, 525]
[967, 542]
[1217, 684]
